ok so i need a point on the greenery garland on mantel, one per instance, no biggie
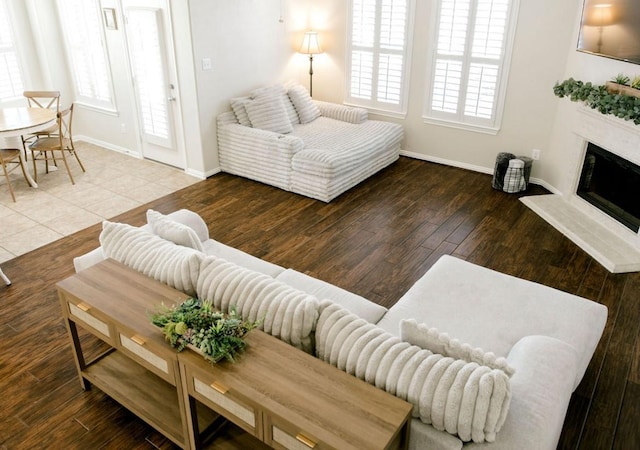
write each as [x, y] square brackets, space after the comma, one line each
[599, 98]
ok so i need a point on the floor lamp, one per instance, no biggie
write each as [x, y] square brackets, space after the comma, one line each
[310, 46]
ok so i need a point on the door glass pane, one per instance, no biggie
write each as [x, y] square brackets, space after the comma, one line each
[148, 69]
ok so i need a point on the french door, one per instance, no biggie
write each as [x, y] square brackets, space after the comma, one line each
[148, 36]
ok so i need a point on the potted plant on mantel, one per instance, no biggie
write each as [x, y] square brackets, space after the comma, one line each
[623, 85]
[602, 98]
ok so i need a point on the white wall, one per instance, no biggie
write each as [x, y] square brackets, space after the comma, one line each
[544, 30]
[248, 47]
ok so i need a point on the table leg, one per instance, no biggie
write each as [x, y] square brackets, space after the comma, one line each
[5, 278]
[27, 174]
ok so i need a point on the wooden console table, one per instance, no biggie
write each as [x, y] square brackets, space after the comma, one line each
[282, 396]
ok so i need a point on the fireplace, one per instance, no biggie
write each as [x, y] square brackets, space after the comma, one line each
[597, 204]
[611, 184]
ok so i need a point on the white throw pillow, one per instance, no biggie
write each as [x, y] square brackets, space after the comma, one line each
[460, 397]
[267, 112]
[151, 255]
[433, 340]
[307, 110]
[173, 231]
[239, 109]
[280, 91]
[285, 312]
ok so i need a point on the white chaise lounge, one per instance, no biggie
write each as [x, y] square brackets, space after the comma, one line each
[281, 137]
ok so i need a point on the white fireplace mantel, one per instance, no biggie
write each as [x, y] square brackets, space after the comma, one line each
[612, 244]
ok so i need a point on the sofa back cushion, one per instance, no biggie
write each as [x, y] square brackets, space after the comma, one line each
[433, 340]
[238, 104]
[267, 112]
[173, 231]
[151, 255]
[307, 110]
[460, 397]
[286, 313]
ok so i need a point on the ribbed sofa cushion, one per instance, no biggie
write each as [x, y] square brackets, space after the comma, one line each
[460, 397]
[151, 255]
[433, 340]
[286, 313]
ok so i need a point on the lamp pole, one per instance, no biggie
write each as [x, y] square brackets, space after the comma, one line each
[311, 75]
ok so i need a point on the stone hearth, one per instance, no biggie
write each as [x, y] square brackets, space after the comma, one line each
[609, 242]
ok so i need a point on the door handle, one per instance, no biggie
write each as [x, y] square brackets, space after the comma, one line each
[171, 99]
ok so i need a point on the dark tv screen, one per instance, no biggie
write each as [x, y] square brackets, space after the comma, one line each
[611, 28]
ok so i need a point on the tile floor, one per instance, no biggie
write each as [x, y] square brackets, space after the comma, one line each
[113, 183]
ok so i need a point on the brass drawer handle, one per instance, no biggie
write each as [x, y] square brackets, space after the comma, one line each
[83, 306]
[137, 339]
[305, 440]
[219, 387]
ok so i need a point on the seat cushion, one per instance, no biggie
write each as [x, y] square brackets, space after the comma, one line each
[493, 311]
[360, 306]
[220, 250]
[333, 147]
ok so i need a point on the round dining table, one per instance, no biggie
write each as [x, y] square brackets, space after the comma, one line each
[20, 121]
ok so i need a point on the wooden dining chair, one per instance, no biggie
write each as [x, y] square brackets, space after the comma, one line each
[11, 157]
[41, 99]
[46, 147]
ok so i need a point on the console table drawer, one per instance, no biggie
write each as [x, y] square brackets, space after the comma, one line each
[289, 437]
[89, 318]
[221, 399]
[138, 349]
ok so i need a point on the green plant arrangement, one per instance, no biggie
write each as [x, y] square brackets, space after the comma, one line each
[197, 325]
[621, 79]
[599, 98]
[635, 83]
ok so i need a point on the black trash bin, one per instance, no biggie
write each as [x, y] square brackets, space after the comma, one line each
[511, 179]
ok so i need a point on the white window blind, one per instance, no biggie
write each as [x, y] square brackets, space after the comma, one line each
[11, 82]
[378, 55]
[82, 27]
[468, 62]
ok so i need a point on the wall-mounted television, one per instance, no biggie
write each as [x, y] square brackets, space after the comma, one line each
[611, 28]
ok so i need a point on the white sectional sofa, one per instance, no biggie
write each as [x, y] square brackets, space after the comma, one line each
[320, 154]
[547, 337]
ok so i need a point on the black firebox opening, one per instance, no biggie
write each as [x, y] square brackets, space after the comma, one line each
[612, 184]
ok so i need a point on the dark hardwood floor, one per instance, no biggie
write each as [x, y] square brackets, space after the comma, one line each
[375, 240]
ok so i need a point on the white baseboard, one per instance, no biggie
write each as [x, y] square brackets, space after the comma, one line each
[126, 151]
[472, 167]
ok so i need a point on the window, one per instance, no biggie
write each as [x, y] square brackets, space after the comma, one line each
[82, 26]
[469, 63]
[378, 56]
[11, 80]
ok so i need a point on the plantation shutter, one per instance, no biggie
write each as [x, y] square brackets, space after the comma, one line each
[82, 27]
[378, 53]
[469, 58]
[11, 84]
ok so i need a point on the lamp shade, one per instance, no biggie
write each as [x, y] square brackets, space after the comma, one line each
[310, 44]
[600, 15]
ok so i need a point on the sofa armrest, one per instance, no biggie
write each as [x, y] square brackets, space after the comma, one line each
[88, 259]
[344, 113]
[541, 387]
[257, 154]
